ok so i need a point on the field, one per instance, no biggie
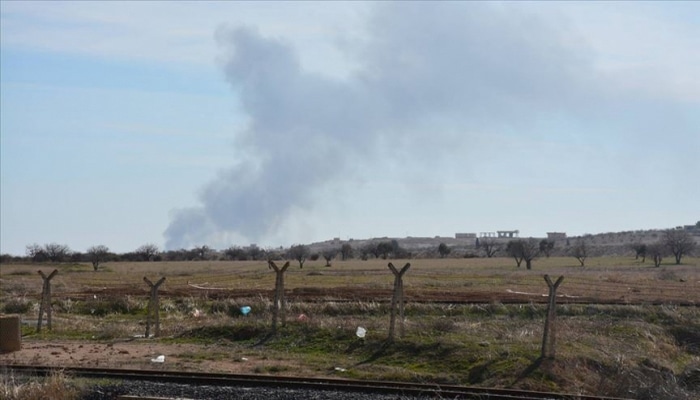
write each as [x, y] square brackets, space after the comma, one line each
[624, 328]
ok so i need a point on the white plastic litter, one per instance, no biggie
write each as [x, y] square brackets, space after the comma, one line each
[159, 359]
[339, 369]
[361, 332]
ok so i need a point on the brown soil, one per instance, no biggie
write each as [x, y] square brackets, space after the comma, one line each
[137, 354]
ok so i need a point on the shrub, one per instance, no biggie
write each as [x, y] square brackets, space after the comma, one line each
[55, 387]
[17, 306]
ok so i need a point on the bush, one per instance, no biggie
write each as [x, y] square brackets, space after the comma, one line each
[17, 306]
[54, 387]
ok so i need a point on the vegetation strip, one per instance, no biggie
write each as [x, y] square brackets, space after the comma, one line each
[401, 388]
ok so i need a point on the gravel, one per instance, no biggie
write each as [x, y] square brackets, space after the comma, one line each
[182, 391]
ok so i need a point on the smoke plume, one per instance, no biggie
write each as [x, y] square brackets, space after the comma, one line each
[424, 70]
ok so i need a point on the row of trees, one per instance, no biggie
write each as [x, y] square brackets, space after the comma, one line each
[57, 253]
[96, 255]
[675, 242]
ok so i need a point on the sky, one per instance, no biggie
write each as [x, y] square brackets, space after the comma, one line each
[223, 124]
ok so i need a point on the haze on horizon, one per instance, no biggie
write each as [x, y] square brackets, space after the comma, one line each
[216, 123]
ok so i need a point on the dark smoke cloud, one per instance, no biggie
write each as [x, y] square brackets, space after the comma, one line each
[423, 67]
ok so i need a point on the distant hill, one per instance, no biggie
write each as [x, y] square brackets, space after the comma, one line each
[609, 243]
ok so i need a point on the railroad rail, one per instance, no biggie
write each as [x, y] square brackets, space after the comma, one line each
[427, 390]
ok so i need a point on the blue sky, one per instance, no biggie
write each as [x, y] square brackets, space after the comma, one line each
[229, 123]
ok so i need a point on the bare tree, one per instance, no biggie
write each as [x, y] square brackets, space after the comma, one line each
[679, 243]
[300, 253]
[444, 250]
[514, 248]
[523, 250]
[97, 255]
[328, 255]
[236, 253]
[366, 250]
[36, 253]
[657, 252]
[256, 253]
[56, 252]
[384, 249]
[201, 253]
[373, 249]
[346, 251]
[580, 251]
[640, 250]
[147, 252]
[489, 245]
[546, 247]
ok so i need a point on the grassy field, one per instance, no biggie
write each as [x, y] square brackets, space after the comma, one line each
[624, 328]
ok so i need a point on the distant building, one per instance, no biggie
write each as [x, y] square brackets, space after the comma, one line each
[487, 234]
[556, 235]
[465, 235]
[508, 234]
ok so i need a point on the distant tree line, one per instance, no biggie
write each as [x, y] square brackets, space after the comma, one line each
[677, 243]
[673, 242]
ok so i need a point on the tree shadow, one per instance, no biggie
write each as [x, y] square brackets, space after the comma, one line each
[380, 352]
[264, 339]
[530, 369]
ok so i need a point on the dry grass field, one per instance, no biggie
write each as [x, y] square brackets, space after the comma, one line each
[624, 328]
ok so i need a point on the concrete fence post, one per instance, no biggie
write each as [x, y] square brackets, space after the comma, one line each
[153, 312]
[45, 305]
[279, 304]
[397, 299]
[549, 337]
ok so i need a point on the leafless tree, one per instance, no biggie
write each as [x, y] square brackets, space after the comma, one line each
[36, 253]
[640, 250]
[490, 246]
[366, 250]
[373, 248]
[201, 252]
[346, 251]
[328, 255]
[580, 251]
[97, 255]
[657, 252]
[56, 252]
[384, 249]
[679, 243]
[443, 250]
[546, 247]
[147, 252]
[300, 253]
[236, 253]
[523, 250]
[256, 253]
[514, 248]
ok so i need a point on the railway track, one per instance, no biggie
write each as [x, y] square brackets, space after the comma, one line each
[402, 389]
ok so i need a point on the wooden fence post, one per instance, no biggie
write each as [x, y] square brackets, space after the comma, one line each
[153, 307]
[279, 305]
[45, 305]
[397, 298]
[549, 337]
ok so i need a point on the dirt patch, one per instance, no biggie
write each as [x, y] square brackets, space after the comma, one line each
[139, 354]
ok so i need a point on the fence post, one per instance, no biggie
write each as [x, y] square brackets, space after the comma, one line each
[549, 337]
[45, 305]
[153, 307]
[279, 304]
[397, 298]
